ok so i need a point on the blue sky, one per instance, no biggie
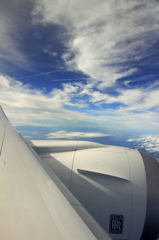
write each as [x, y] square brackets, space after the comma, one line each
[85, 69]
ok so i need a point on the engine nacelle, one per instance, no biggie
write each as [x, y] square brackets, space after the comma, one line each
[118, 186]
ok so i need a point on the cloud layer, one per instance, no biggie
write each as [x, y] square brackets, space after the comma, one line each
[148, 142]
[74, 135]
[75, 102]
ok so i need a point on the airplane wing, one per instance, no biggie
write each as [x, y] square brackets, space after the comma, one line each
[34, 204]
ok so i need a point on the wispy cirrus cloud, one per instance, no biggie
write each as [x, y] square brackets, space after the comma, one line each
[39, 74]
[104, 39]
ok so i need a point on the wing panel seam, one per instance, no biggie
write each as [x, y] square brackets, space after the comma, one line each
[2, 137]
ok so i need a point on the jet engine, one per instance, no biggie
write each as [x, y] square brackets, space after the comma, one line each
[118, 186]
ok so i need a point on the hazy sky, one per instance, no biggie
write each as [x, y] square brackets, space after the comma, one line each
[86, 69]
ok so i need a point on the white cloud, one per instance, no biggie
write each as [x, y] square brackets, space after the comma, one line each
[64, 134]
[148, 142]
[30, 103]
[25, 105]
[34, 124]
[104, 36]
[139, 99]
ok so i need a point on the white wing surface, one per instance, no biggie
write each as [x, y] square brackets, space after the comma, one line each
[31, 205]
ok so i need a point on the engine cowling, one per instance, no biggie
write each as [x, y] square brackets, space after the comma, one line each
[118, 186]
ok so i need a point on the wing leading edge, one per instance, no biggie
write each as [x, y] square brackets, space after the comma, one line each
[31, 204]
